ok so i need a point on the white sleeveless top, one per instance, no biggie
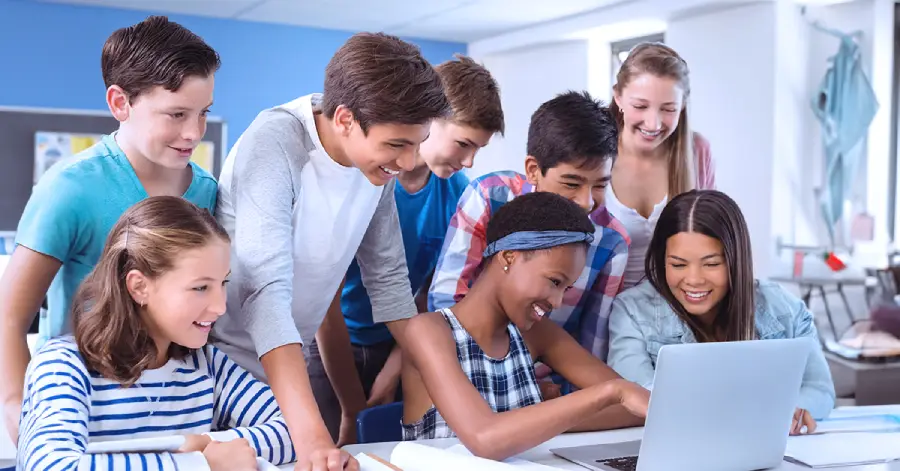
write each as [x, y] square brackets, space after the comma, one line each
[640, 229]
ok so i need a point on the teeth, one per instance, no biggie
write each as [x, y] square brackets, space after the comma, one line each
[649, 133]
[696, 295]
[540, 312]
[390, 171]
[204, 324]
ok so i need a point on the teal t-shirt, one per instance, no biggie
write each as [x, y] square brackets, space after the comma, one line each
[71, 211]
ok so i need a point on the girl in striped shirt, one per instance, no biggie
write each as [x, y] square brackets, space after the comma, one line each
[139, 366]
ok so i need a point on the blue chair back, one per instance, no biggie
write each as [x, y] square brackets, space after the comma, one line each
[380, 424]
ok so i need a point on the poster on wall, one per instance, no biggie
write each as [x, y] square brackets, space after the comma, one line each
[203, 155]
[54, 147]
[51, 148]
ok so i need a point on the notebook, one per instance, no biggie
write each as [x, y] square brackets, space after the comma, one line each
[843, 449]
[169, 443]
[409, 456]
[859, 423]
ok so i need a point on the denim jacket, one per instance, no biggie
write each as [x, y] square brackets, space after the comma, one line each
[642, 322]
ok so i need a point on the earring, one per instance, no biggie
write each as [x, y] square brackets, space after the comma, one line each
[506, 268]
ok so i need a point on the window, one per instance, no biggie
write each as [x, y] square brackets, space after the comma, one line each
[619, 51]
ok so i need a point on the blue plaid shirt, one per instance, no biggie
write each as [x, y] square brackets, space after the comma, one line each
[586, 307]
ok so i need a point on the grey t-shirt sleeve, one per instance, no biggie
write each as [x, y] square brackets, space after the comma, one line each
[264, 193]
[382, 263]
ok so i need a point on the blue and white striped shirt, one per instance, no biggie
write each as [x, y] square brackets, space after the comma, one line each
[66, 406]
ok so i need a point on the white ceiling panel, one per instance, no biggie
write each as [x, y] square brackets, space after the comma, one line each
[485, 18]
[449, 20]
[352, 15]
[214, 8]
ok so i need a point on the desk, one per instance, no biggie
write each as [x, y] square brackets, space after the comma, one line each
[542, 455]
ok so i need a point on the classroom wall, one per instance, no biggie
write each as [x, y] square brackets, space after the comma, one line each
[752, 90]
[527, 78]
[732, 104]
[754, 68]
[875, 19]
[50, 56]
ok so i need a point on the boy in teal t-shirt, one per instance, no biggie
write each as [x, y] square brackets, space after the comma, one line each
[159, 78]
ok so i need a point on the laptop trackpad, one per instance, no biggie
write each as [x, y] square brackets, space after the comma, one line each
[618, 450]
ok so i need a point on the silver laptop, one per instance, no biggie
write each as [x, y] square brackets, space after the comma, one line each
[723, 406]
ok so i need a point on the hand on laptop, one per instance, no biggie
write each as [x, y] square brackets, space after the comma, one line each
[803, 423]
[633, 397]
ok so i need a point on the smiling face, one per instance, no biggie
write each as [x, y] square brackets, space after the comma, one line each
[382, 152]
[536, 281]
[697, 273]
[163, 126]
[651, 107]
[451, 147]
[181, 305]
[584, 186]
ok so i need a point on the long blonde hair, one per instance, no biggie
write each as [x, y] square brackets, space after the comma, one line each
[660, 60]
[111, 336]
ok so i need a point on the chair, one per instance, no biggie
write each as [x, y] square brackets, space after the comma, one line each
[380, 424]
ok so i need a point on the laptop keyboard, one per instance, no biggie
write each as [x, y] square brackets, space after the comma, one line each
[628, 463]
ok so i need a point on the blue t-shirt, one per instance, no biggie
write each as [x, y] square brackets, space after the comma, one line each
[71, 211]
[424, 217]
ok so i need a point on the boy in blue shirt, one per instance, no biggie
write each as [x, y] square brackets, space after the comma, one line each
[159, 86]
[426, 199]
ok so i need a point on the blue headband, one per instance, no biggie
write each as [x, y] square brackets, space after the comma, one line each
[535, 240]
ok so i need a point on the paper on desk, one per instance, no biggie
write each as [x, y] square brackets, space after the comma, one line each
[843, 449]
[410, 456]
[518, 463]
[860, 423]
[367, 463]
[169, 443]
[137, 445]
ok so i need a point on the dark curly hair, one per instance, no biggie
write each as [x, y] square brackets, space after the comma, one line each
[538, 211]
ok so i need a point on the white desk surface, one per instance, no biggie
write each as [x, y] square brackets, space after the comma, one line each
[540, 454]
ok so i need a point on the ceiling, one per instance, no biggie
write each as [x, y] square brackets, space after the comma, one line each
[448, 20]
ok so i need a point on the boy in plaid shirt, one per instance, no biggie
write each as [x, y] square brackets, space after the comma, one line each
[572, 141]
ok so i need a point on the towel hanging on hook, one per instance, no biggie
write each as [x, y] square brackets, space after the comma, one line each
[816, 24]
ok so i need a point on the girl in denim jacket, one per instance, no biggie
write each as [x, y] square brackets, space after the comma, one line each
[700, 288]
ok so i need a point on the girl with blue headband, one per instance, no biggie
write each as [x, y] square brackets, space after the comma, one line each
[470, 372]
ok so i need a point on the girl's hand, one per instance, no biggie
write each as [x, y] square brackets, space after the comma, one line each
[328, 460]
[633, 397]
[194, 443]
[234, 455]
[803, 423]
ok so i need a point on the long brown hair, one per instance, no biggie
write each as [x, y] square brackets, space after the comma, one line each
[660, 60]
[714, 214]
[148, 237]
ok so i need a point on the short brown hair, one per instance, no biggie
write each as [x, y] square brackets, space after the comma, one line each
[383, 79]
[155, 52]
[473, 94]
[148, 237]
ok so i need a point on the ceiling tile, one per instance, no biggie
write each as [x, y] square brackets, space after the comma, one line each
[352, 15]
[214, 8]
[449, 20]
[487, 18]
